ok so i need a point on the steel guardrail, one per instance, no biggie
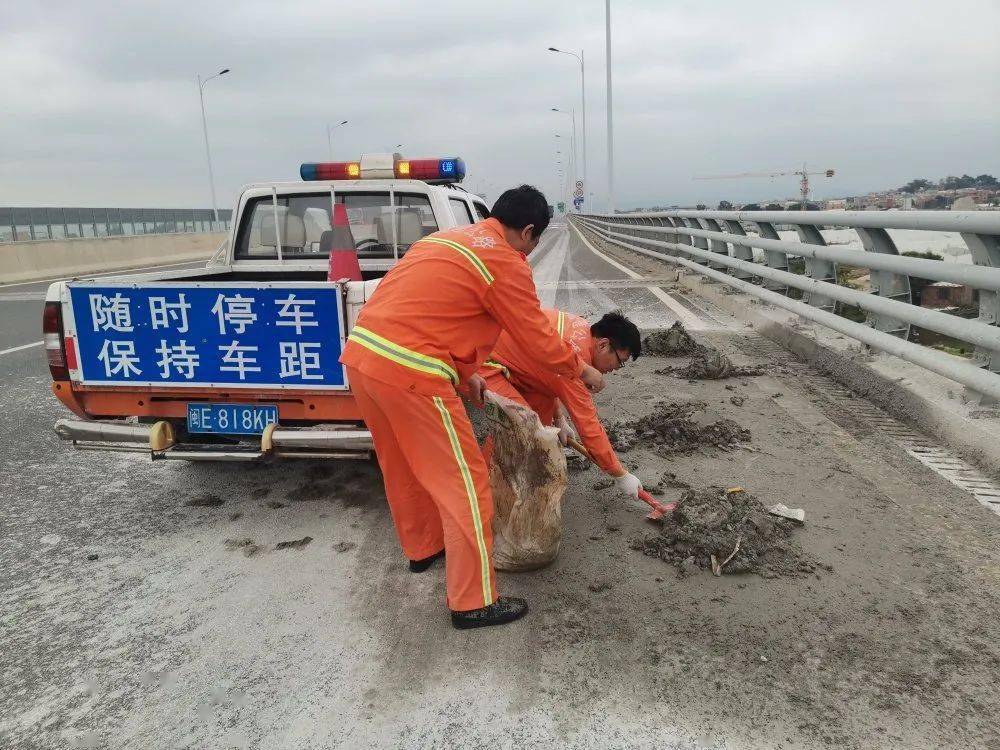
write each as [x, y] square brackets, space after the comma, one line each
[719, 244]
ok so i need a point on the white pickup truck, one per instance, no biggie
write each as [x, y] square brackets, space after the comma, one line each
[239, 360]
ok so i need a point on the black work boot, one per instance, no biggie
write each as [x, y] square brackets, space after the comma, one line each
[505, 609]
[419, 566]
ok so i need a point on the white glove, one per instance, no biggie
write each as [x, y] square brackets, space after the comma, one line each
[565, 431]
[629, 485]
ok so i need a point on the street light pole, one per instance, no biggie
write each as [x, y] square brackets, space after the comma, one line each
[571, 114]
[329, 136]
[204, 127]
[611, 138]
[583, 103]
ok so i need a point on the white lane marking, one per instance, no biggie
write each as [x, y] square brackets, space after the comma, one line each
[549, 268]
[194, 263]
[683, 314]
[544, 246]
[22, 296]
[20, 348]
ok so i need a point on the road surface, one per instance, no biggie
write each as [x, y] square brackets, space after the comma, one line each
[126, 620]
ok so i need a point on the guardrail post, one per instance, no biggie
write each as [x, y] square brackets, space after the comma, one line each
[740, 252]
[682, 239]
[772, 258]
[699, 242]
[821, 270]
[885, 283]
[716, 246]
[664, 221]
[644, 222]
[985, 249]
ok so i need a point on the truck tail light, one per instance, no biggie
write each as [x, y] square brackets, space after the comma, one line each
[52, 335]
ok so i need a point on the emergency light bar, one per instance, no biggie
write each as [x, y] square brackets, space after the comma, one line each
[340, 170]
[387, 166]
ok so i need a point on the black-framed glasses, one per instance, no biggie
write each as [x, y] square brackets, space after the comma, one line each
[621, 362]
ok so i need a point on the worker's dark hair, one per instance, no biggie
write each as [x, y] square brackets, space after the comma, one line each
[621, 331]
[521, 206]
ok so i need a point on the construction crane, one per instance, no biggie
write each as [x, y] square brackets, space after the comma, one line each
[803, 173]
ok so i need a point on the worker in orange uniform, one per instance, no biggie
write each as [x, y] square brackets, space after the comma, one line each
[425, 332]
[513, 371]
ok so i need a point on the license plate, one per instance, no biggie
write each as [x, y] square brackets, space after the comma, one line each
[230, 419]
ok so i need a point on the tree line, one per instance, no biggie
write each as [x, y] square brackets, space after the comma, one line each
[951, 183]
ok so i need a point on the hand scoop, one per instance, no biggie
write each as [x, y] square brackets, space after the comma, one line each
[659, 510]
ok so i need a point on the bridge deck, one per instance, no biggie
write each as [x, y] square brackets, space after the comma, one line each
[171, 640]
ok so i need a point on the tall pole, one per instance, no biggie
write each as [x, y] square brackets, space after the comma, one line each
[204, 128]
[571, 187]
[611, 137]
[208, 151]
[574, 142]
[571, 114]
[329, 136]
[583, 103]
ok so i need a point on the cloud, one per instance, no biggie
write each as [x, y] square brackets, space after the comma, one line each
[105, 102]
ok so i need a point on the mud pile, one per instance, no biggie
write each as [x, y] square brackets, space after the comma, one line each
[671, 428]
[727, 531]
[671, 342]
[710, 364]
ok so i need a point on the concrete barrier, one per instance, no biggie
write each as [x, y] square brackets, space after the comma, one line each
[47, 259]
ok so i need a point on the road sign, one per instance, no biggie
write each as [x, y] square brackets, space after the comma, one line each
[238, 335]
[578, 201]
[578, 193]
[562, 207]
[579, 185]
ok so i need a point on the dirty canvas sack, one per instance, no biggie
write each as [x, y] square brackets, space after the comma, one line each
[527, 478]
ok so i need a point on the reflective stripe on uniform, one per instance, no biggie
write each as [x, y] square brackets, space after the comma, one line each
[401, 355]
[560, 322]
[466, 253]
[502, 368]
[470, 490]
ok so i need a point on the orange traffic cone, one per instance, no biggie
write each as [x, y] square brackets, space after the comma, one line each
[339, 243]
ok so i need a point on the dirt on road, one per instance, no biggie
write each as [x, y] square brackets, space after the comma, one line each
[727, 531]
[670, 342]
[710, 364]
[672, 427]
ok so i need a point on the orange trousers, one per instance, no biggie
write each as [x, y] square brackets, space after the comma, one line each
[436, 482]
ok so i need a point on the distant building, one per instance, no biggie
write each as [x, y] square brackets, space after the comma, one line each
[947, 295]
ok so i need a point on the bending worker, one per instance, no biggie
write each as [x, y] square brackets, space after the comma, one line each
[514, 371]
[427, 329]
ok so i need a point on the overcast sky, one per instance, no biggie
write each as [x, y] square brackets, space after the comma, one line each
[100, 103]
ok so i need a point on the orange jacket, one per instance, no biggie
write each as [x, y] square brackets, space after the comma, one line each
[436, 315]
[527, 375]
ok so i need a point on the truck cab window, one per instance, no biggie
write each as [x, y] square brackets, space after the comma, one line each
[481, 211]
[302, 220]
[460, 210]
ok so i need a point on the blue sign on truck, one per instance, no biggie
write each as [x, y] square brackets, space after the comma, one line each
[219, 334]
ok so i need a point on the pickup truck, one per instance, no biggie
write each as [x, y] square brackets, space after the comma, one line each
[239, 360]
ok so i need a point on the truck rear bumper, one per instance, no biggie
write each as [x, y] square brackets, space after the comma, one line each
[158, 440]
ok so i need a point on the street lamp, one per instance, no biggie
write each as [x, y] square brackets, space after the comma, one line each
[571, 114]
[204, 127]
[329, 136]
[583, 101]
[611, 138]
